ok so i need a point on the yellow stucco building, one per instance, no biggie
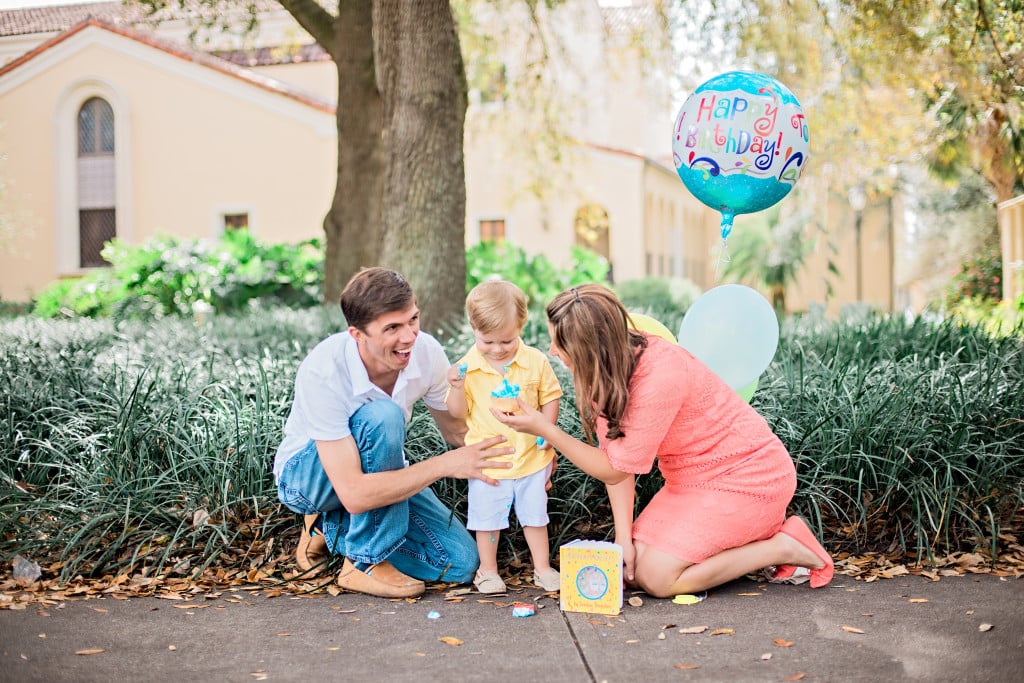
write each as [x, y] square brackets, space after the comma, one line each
[111, 125]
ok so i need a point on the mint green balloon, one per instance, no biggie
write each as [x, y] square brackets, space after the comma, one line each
[747, 392]
[733, 330]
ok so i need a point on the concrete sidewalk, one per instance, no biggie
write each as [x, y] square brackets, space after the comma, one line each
[891, 630]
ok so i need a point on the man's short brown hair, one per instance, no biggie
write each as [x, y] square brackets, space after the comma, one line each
[371, 293]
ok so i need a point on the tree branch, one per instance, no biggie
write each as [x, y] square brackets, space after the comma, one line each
[317, 21]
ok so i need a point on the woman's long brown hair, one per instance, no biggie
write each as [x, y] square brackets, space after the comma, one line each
[592, 327]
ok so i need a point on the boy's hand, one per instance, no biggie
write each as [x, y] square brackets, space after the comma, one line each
[457, 376]
[551, 476]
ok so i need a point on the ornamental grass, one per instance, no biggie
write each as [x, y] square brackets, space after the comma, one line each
[147, 448]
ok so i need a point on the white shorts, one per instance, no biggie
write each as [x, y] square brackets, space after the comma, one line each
[489, 505]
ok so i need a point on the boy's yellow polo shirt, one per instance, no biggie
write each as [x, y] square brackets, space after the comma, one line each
[538, 386]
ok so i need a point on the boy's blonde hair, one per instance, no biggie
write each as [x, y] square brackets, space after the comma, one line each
[493, 304]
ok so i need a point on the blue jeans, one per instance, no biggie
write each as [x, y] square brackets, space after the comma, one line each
[419, 536]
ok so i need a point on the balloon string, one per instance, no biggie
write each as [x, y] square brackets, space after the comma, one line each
[723, 256]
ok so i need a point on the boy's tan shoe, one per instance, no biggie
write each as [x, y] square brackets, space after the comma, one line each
[311, 554]
[382, 580]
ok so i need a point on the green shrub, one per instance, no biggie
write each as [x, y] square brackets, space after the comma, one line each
[906, 434]
[980, 277]
[535, 275]
[663, 298]
[168, 276]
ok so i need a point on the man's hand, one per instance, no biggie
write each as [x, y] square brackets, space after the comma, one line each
[469, 462]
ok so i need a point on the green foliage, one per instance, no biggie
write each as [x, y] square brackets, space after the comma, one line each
[168, 276]
[980, 277]
[535, 275]
[1000, 319]
[769, 251]
[906, 433]
[665, 299]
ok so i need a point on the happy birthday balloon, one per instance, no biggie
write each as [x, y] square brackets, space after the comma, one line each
[739, 143]
[733, 330]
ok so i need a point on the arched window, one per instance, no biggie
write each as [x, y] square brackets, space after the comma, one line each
[591, 228]
[97, 220]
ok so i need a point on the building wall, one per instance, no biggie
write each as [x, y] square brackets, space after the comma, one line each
[184, 147]
[201, 144]
[1011, 235]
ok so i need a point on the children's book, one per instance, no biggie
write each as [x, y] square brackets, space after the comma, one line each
[591, 574]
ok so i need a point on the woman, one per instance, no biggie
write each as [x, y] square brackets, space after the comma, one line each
[728, 478]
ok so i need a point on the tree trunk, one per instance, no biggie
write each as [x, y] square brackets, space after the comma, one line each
[422, 77]
[994, 153]
[353, 228]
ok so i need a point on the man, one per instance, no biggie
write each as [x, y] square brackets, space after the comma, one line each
[341, 463]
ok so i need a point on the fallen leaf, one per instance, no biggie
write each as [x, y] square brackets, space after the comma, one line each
[748, 594]
[333, 648]
[90, 651]
[661, 636]
[630, 642]
[668, 626]
[283, 634]
[99, 609]
[448, 640]
[779, 642]
[766, 656]
[851, 629]
[172, 648]
[636, 602]
[918, 600]
[723, 632]
[984, 627]
[687, 666]
[795, 677]
[693, 630]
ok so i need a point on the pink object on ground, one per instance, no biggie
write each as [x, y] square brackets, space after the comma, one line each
[797, 529]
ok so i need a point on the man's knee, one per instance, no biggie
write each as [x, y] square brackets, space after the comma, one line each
[378, 422]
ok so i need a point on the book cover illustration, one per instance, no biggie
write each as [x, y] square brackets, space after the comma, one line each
[591, 574]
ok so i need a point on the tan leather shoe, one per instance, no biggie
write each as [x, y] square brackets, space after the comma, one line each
[311, 553]
[382, 580]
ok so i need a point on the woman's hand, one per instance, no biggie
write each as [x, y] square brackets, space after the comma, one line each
[527, 420]
[628, 560]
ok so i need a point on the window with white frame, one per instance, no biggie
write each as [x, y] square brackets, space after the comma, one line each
[97, 220]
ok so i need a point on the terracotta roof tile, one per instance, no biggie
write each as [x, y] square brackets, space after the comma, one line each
[63, 17]
[182, 52]
[264, 56]
[28, 20]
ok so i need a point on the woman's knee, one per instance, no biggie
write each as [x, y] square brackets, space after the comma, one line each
[654, 585]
